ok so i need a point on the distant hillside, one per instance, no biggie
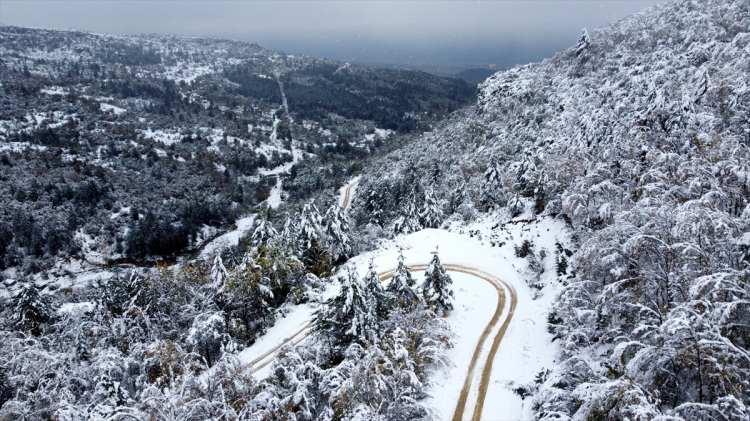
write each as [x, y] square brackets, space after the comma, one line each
[639, 138]
[140, 147]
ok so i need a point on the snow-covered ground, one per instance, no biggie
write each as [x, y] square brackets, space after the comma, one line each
[475, 303]
[163, 136]
[228, 239]
[346, 192]
[294, 320]
[275, 196]
[526, 347]
[484, 245]
[111, 108]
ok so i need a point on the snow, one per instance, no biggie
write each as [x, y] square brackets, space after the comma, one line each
[526, 347]
[229, 239]
[285, 327]
[74, 309]
[274, 197]
[54, 90]
[475, 302]
[125, 210]
[19, 146]
[186, 72]
[163, 136]
[379, 134]
[352, 186]
[106, 108]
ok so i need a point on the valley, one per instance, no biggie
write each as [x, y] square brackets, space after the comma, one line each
[197, 228]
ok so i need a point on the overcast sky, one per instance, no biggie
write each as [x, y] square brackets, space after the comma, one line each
[403, 32]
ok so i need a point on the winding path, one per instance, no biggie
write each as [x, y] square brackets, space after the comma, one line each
[473, 393]
[476, 382]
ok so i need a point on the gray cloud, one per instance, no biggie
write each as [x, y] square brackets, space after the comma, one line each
[416, 32]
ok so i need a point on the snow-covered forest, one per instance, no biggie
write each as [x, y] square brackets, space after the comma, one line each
[201, 229]
[637, 137]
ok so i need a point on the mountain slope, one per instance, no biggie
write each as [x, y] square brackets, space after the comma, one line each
[639, 137]
[138, 148]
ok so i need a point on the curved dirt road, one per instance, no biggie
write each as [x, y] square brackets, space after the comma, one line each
[346, 193]
[505, 293]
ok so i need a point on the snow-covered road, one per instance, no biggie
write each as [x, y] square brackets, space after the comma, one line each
[499, 321]
[346, 192]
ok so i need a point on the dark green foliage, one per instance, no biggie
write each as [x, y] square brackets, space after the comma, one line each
[6, 390]
[31, 310]
[526, 248]
[437, 289]
[350, 316]
[380, 95]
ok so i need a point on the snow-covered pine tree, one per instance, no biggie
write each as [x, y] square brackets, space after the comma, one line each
[218, 273]
[493, 176]
[309, 244]
[264, 233]
[583, 42]
[209, 336]
[401, 287]
[431, 215]
[350, 316]
[248, 299]
[309, 226]
[492, 188]
[6, 390]
[436, 289]
[31, 310]
[288, 236]
[337, 231]
[375, 288]
[408, 222]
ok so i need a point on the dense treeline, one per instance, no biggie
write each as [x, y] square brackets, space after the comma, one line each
[146, 345]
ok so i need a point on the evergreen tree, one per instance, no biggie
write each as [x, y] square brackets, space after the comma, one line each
[247, 300]
[583, 43]
[408, 222]
[264, 233]
[401, 287]
[310, 245]
[436, 289]
[350, 316]
[31, 310]
[309, 230]
[431, 215]
[337, 232]
[6, 390]
[288, 237]
[375, 288]
[492, 176]
[218, 273]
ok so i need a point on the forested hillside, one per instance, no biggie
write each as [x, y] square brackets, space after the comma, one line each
[639, 138]
[140, 180]
[139, 148]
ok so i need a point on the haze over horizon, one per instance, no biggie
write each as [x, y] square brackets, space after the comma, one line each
[429, 33]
